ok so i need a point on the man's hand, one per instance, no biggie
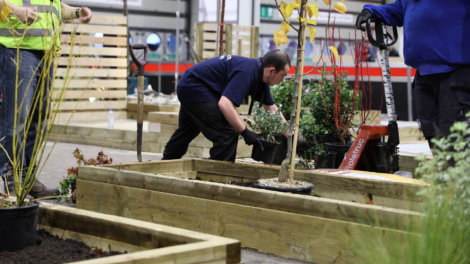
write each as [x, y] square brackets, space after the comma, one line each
[362, 18]
[26, 15]
[85, 14]
[251, 138]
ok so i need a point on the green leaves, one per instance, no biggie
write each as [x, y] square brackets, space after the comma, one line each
[268, 124]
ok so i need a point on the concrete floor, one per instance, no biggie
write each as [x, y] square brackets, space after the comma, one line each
[61, 159]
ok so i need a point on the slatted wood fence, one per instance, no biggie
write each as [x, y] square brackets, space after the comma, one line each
[97, 79]
[206, 37]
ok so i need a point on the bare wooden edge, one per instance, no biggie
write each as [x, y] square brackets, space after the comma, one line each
[385, 193]
[303, 237]
[167, 166]
[286, 202]
[175, 241]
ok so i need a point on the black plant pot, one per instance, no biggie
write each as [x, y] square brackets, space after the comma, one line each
[330, 138]
[340, 150]
[266, 156]
[18, 227]
[301, 190]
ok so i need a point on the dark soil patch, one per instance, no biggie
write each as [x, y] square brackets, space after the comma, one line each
[50, 249]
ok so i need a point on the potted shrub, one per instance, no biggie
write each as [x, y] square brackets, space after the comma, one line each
[269, 125]
[333, 106]
[18, 216]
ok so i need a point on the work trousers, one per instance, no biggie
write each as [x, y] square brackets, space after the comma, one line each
[206, 118]
[30, 81]
[441, 100]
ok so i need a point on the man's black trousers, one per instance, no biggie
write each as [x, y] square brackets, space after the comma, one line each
[206, 118]
[441, 100]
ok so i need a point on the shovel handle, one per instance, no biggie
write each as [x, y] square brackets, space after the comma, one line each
[140, 63]
[379, 41]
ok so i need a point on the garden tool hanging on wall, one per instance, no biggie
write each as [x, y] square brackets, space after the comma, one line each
[140, 93]
[369, 152]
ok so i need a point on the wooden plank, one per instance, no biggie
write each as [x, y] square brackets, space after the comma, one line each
[122, 234]
[209, 36]
[132, 105]
[111, 143]
[96, 105]
[228, 38]
[254, 42]
[301, 237]
[83, 61]
[163, 117]
[83, 50]
[85, 40]
[77, 72]
[199, 40]
[385, 193]
[90, 93]
[183, 174]
[286, 202]
[235, 38]
[165, 166]
[209, 26]
[106, 19]
[84, 28]
[208, 54]
[238, 28]
[89, 115]
[90, 83]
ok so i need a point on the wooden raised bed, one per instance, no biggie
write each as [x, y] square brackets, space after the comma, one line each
[144, 242]
[132, 109]
[309, 228]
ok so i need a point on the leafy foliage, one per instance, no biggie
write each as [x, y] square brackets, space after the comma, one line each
[444, 231]
[71, 178]
[268, 124]
[282, 95]
[323, 103]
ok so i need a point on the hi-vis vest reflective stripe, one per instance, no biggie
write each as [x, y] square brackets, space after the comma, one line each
[40, 34]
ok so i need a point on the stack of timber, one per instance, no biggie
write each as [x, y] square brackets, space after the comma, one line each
[234, 35]
[343, 211]
[140, 242]
[124, 136]
[97, 80]
[165, 124]
[132, 109]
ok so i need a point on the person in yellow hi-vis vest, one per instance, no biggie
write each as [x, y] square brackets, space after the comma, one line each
[39, 22]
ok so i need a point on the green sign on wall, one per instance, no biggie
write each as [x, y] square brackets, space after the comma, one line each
[155, 56]
[266, 12]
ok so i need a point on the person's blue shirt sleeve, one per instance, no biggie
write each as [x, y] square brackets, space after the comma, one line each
[238, 87]
[268, 99]
[392, 14]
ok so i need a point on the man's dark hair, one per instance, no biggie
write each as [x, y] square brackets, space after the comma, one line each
[277, 59]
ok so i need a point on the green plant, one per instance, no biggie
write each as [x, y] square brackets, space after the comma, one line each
[443, 234]
[66, 185]
[282, 96]
[333, 105]
[44, 102]
[268, 124]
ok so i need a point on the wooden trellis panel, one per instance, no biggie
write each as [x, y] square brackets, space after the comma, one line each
[206, 38]
[98, 69]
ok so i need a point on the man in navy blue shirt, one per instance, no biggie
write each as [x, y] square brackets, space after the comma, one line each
[209, 93]
[436, 43]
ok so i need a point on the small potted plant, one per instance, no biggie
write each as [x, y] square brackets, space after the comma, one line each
[269, 125]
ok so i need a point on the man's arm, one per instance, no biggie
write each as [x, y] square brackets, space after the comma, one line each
[392, 14]
[228, 109]
[70, 13]
[273, 109]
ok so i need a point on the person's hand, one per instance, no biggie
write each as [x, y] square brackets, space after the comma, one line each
[26, 15]
[251, 138]
[85, 14]
[362, 18]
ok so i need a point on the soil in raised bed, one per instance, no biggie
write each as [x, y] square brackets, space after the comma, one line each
[51, 249]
